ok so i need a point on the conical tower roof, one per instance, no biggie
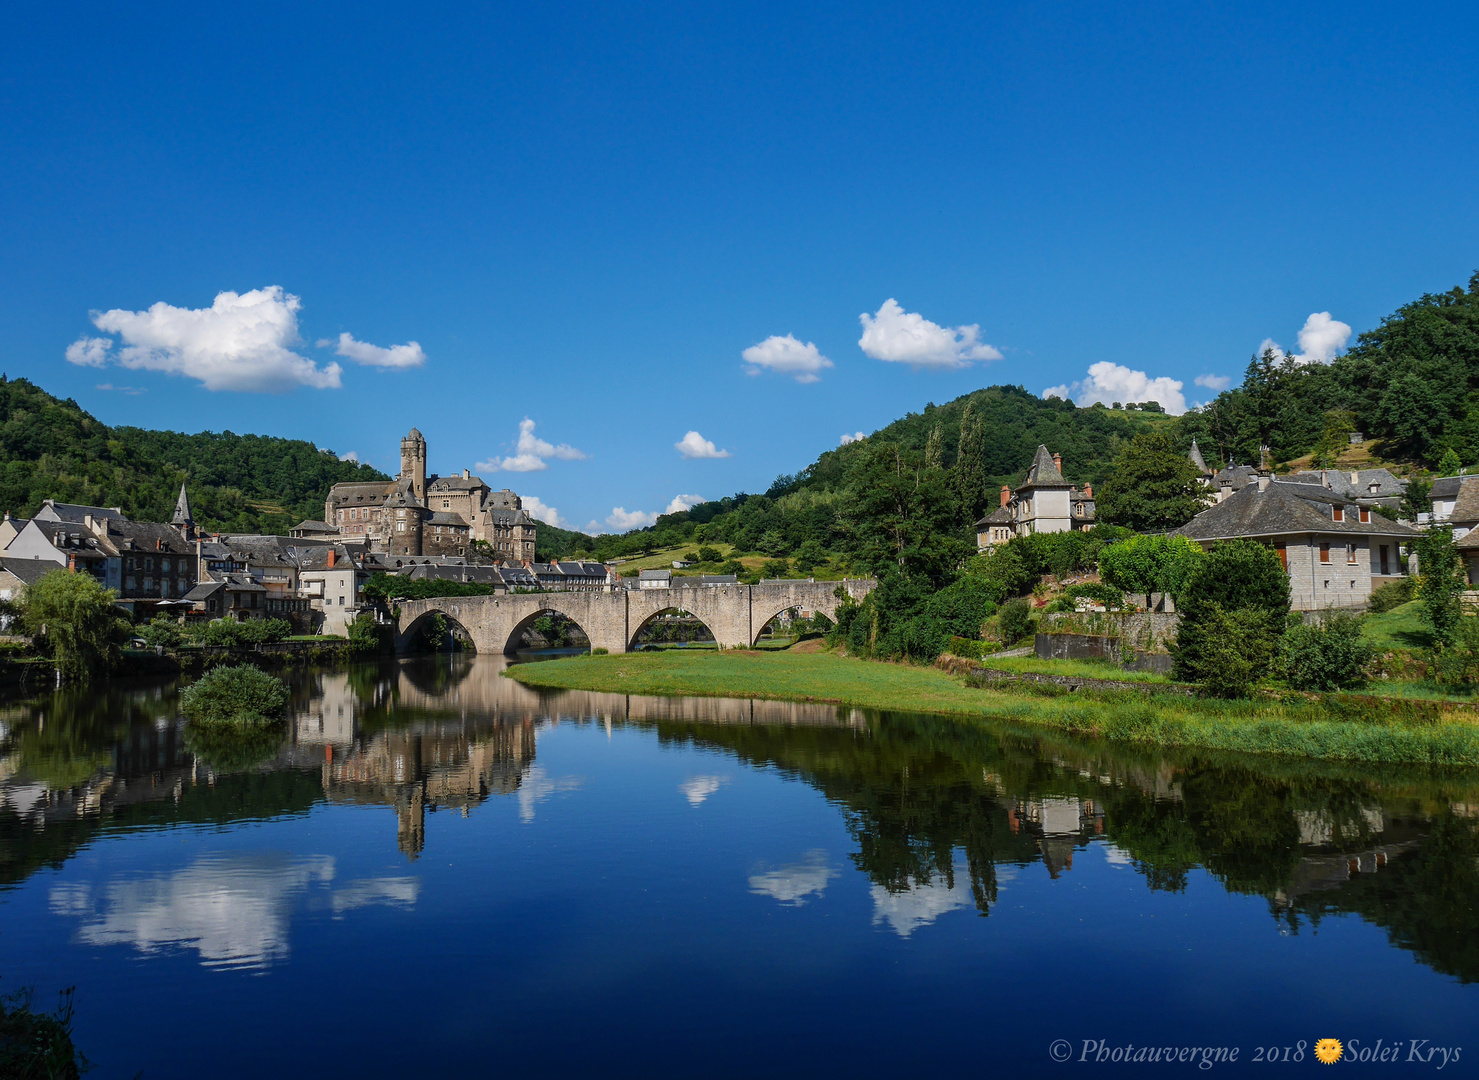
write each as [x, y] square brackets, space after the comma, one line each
[1044, 471]
[182, 509]
[1196, 457]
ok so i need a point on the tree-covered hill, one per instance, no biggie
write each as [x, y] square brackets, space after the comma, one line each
[53, 449]
[1412, 384]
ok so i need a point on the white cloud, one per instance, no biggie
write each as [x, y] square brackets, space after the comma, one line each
[694, 445]
[1320, 340]
[132, 391]
[592, 527]
[532, 453]
[698, 788]
[909, 909]
[537, 785]
[240, 342]
[848, 440]
[90, 352]
[1108, 382]
[361, 352]
[909, 338]
[1216, 383]
[787, 356]
[547, 514]
[623, 520]
[233, 910]
[793, 883]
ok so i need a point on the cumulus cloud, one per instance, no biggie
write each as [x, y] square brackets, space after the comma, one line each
[906, 910]
[848, 440]
[1320, 340]
[623, 520]
[90, 352]
[537, 786]
[794, 883]
[787, 356]
[547, 514]
[1215, 383]
[362, 352]
[698, 788]
[241, 342]
[694, 445]
[531, 453]
[909, 338]
[681, 503]
[1108, 382]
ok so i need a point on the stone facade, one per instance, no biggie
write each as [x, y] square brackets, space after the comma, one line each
[1043, 503]
[421, 514]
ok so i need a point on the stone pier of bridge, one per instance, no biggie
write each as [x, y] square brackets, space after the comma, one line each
[612, 619]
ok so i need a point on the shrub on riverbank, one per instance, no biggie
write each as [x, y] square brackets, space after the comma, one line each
[73, 619]
[241, 698]
[37, 1045]
[238, 634]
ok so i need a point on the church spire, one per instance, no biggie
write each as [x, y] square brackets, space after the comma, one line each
[183, 516]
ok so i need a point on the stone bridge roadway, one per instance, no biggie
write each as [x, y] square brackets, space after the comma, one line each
[734, 614]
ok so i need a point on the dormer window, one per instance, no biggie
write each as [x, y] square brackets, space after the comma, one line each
[1365, 516]
[1338, 511]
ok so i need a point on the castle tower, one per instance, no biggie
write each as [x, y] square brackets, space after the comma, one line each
[184, 520]
[413, 463]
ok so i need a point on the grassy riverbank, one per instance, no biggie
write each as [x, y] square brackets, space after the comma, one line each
[1334, 728]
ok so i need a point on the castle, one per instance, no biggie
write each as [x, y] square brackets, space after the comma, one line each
[418, 514]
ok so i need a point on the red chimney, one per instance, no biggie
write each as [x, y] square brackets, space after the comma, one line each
[331, 558]
[72, 562]
[1088, 491]
[1058, 462]
[1006, 494]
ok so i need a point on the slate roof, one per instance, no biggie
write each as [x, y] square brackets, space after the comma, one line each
[367, 491]
[51, 510]
[1387, 487]
[482, 575]
[147, 536]
[29, 570]
[1043, 473]
[1446, 487]
[1000, 516]
[203, 590]
[454, 483]
[518, 576]
[1284, 509]
[1196, 458]
[510, 517]
[446, 517]
[1235, 476]
[655, 575]
[311, 526]
[1466, 507]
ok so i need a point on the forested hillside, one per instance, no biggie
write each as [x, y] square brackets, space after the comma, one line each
[51, 448]
[1412, 384]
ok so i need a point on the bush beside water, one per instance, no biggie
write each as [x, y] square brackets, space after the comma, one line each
[235, 697]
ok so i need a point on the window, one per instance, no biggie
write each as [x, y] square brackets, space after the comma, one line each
[1350, 554]
[1324, 553]
[132, 583]
[341, 601]
[148, 584]
[400, 526]
[164, 586]
[446, 504]
[149, 563]
[1365, 516]
[164, 565]
[210, 605]
[1384, 563]
[1338, 512]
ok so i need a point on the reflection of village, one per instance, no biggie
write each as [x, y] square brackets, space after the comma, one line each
[418, 737]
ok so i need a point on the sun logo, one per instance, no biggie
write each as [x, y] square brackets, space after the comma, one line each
[1328, 1051]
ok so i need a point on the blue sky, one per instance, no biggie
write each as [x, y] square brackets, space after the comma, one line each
[583, 217]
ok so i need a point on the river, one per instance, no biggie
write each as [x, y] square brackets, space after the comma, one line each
[438, 871]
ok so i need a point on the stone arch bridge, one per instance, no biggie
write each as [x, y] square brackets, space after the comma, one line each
[734, 614]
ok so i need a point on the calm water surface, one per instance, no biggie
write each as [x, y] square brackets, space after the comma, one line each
[440, 872]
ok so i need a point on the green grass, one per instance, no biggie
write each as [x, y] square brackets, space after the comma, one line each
[1337, 729]
[1399, 629]
[1076, 669]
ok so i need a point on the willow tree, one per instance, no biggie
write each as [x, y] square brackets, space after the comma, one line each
[74, 618]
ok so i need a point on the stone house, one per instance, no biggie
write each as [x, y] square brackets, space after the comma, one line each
[1456, 503]
[655, 579]
[332, 581]
[1043, 503]
[1336, 551]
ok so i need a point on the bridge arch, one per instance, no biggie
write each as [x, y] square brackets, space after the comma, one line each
[635, 632]
[420, 627]
[764, 609]
[516, 635]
